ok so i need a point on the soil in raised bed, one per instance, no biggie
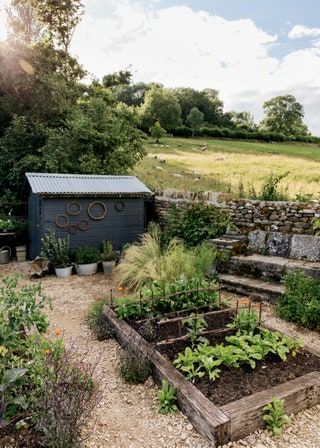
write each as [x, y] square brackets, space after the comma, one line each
[153, 332]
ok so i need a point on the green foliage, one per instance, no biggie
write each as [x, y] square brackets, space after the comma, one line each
[269, 189]
[56, 250]
[275, 417]
[86, 255]
[195, 118]
[197, 223]
[157, 132]
[122, 77]
[9, 377]
[284, 114]
[160, 105]
[6, 224]
[157, 299]
[240, 350]
[195, 325]
[245, 322]
[149, 261]
[167, 399]
[316, 226]
[134, 368]
[243, 120]
[97, 322]
[301, 301]
[108, 254]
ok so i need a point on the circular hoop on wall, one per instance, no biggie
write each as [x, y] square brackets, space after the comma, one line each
[72, 229]
[119, 206]
[104, 210]
[72, 212]
[63, 224]
[84, 227]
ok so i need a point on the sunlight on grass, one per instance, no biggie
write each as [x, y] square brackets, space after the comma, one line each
[222, 165]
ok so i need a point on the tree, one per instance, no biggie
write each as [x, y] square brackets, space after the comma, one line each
[284, 114]
[160, 105]
[243, 120]
[131, 94]
[157, 132]
[207, 101]
[195, 119]
[122, 77]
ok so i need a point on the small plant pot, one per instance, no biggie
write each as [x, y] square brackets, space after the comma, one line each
[21, 253]
[108, 267]
[63, 272]
[86, 269]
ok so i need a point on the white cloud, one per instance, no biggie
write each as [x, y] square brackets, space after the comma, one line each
[299, 31]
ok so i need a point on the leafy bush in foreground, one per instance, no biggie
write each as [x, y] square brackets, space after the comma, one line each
[301, 301]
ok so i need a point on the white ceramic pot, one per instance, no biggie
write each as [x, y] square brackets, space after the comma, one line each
[86, 269]
[108, 267]
[63, 272]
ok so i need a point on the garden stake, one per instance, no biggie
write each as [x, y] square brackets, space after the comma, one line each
[111, 297]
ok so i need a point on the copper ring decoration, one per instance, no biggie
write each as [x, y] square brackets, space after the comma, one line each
[84, 227]
[101, 204]
[56, 220]
[73, 213]
[119, 206]
[72, 229]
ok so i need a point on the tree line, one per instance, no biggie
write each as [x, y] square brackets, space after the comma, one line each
[179, 109]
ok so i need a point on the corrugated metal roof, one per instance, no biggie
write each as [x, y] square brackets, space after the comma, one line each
[85, 184]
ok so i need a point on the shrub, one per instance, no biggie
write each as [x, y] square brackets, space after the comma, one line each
[56, 250]
[108, 254]
[269, 190]
[86, 255]
[157, 132]
[147, 262]
[134, 368]
[301, 301]
[197, 223]
[97, 322]
[167, 399]
[68, 397]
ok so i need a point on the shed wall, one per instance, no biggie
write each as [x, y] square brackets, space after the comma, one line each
[119, 227]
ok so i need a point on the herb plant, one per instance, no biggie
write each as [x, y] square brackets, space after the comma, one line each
[97, 322]
[86, 255]
[134, 369]
[245, 322]
[195, 324]
[108, 254]
[167, 399]
[56, 250]
[275, 417]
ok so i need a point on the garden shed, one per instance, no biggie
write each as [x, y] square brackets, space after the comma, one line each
[89, 208]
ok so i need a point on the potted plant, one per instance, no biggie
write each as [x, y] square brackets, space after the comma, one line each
[86, 260]
[57, 250]
[6, 225]
[108, 257]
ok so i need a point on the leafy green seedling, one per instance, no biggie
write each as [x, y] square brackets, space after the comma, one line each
[167, 399]
[275, 417]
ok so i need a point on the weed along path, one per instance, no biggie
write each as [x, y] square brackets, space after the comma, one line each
[126, 416]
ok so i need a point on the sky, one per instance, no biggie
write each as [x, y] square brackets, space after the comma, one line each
[249, 50]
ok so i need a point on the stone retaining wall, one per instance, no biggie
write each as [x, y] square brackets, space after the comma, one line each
[285, 217]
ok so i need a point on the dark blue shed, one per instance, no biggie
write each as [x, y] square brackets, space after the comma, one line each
[89, 208]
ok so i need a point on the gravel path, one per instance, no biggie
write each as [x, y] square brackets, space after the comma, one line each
[126, 416]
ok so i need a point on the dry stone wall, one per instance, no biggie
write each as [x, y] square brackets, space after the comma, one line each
[284, 217]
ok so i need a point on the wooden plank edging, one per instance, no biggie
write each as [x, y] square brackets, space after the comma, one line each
[298, 394]
[207, 418]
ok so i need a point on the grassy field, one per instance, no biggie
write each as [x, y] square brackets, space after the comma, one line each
[222, 165]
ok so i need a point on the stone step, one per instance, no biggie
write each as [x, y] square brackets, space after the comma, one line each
[257, 289]
[271, 268]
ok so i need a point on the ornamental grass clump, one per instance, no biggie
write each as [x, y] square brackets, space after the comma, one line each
[150, 261]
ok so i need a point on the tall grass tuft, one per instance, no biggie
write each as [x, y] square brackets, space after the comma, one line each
[148, 261]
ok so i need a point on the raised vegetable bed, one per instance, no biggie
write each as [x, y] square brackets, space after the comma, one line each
[231, 406]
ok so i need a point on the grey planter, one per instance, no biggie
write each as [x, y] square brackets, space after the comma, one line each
[108, 267]
[86, 269]
[63, 272]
